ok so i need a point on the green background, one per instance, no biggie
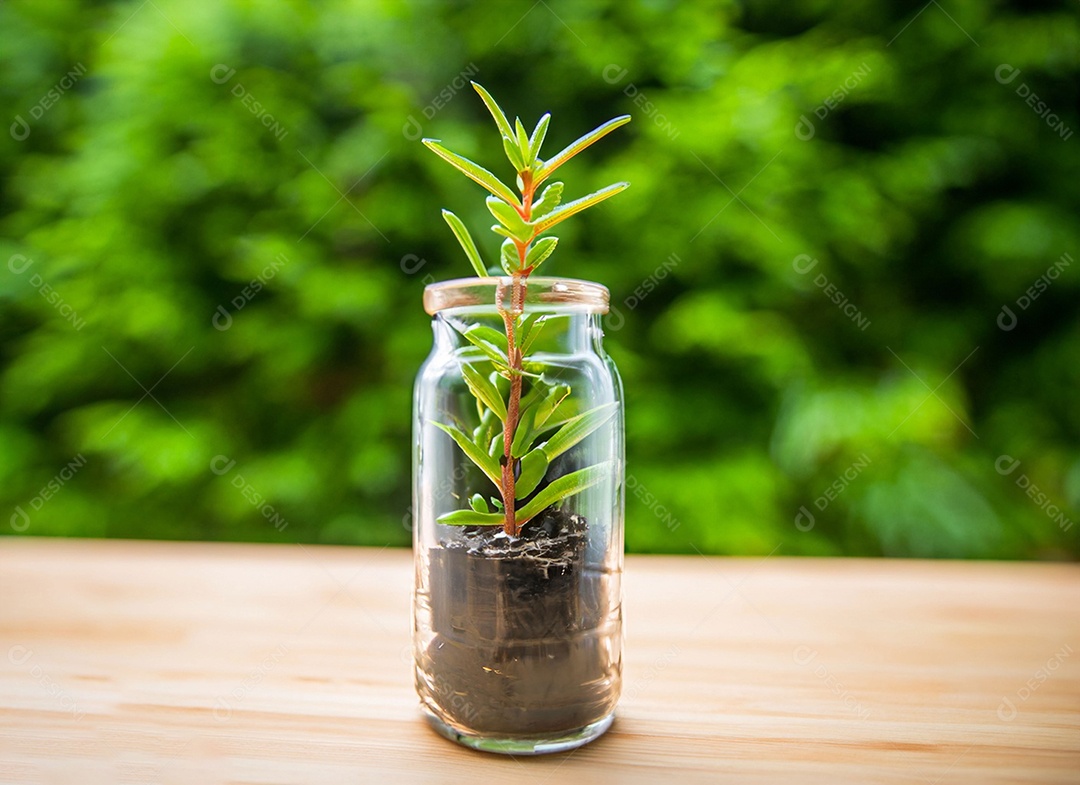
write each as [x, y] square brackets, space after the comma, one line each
[153, 186]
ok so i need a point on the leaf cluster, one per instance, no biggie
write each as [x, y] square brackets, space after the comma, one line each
[541, 435]
[521, 219]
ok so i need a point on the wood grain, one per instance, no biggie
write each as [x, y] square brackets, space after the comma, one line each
[133, 662]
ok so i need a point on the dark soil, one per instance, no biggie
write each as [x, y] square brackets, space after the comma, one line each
[516, 649]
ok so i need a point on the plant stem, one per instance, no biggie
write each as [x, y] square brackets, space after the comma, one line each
[517, 305]
[518, 283]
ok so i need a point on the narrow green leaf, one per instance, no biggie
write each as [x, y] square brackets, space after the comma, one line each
[513, 152]
[490, 334]
[523, 432]
[473, 171]
[534, 466]
[482, 432]
[495, 448]
[562, 488]
[478, 504]
[484, 390]
[463, 237]
[535, 412]
[470, 518]
[538, 135]
[523, 142]
[534, 333]
[549, 200]
[540, 251]
[510, 218]
[555, 396]
[576, 147]
[486, 339]
[487, 465]
[560, 214]
[528, 321]
[577, 428]
[496, 111]
[536, 393]
[509, 257]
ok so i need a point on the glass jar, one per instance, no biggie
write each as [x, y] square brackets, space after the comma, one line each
[517, 620]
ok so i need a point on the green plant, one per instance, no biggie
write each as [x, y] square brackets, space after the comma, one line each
[520, 435]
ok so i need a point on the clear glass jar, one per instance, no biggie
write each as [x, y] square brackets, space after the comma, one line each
[517, 628]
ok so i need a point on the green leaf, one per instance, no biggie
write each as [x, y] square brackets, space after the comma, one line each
[560, 214]
[528, 322]
[513, 152]
[478, 504]
[488, 340]
[576, 147]
[534, 333]
[484, 390]
[538, 135]
[577, 428]
[535, 412]
[523, 142]
[471, 518]
[523, 432]
[540, 251]
[510, 218]
[551, 402]
[496, 112]
[562, 488]
[486, 464]
[473, 171]
[463, 237]
[508, 256]
[549, 200]
[482, 432]
[533, 468]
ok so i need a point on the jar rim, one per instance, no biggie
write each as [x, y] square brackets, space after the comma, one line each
[540, 290]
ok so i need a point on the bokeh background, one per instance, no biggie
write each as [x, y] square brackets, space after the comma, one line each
[845, 277]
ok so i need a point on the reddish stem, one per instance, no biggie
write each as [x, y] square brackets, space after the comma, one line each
[518, 283]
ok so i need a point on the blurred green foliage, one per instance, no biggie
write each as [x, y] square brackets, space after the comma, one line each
[163, 156]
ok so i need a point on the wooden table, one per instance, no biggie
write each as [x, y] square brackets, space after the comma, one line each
[133, 662]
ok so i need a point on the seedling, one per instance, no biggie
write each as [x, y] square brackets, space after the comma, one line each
[521, 431]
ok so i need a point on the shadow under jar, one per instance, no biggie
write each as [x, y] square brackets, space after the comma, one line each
[517, 638]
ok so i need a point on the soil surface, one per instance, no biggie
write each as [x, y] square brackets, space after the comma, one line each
[520, 645]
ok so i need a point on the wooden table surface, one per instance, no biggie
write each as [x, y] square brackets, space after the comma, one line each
[139, 662]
